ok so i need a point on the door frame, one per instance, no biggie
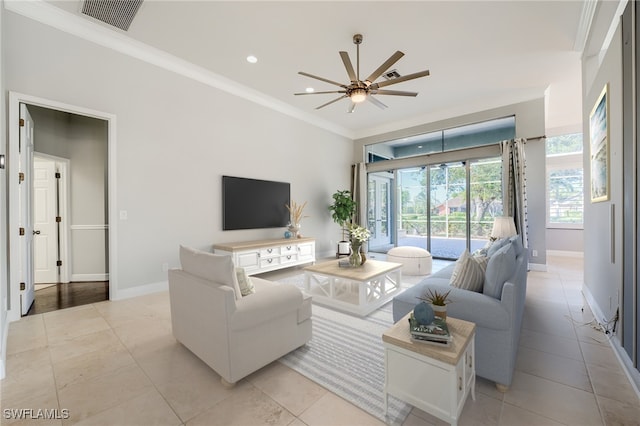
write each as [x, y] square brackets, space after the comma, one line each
[65, 208]
[15, 99]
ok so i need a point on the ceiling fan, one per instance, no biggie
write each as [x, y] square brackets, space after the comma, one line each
[360, 90]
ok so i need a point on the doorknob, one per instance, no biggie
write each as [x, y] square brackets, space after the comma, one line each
[36, 232]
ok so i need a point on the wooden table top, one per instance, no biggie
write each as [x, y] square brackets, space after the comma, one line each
[370, 269]
[461, 331]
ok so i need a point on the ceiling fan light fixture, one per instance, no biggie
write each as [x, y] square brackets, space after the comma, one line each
[358, 95]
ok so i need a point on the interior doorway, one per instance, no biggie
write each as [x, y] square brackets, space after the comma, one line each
[79, 240]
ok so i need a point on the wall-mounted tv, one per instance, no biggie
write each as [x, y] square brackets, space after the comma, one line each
[253, 203]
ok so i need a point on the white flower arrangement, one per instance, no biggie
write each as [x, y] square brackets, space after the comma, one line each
[359, 233]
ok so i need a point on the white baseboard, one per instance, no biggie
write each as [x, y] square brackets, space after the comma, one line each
[541, 267]
[89, 277]
[142, 290]
[632, 374]
[565, 253]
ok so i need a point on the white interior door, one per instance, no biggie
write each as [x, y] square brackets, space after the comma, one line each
[45, 246]
[26, 214]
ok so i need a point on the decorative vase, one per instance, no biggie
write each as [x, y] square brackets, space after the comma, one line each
[440, 311]
[355, 258]
[294, 228]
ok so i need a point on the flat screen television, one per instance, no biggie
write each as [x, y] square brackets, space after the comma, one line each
[253, 203]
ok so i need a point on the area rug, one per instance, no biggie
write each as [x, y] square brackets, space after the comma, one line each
[345, 355]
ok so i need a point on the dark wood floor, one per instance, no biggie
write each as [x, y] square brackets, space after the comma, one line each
[60, 296]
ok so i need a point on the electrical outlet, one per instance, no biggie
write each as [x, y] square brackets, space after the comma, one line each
[534, 253]
[165, 266]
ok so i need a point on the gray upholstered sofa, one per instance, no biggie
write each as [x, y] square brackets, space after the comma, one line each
[497, 311]
[234, 334]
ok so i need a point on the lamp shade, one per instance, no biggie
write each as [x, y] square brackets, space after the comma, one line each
[503, 226]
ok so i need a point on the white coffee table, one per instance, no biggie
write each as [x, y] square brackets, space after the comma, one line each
[358, 290]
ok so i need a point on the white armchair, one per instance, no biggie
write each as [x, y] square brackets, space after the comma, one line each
[232, 334]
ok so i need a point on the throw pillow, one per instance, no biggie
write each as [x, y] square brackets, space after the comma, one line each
[517, 244]
[468, 274]
[500, 268]
[245, 283]
[497, 245]
[211, 267]
[483, 261]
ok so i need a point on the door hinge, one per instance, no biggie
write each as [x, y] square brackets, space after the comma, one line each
[22, 122]
[59, 263]
[20, 177]
[21, 231]
[58, 219]
[22, 286]
[58, 175]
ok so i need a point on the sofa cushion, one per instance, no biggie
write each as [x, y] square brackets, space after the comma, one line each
[211, 267]
[467, 274]
[500, 268]
[497, 245]
[517, 244]
[244, 282]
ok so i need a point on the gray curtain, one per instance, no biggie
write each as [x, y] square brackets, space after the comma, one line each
[359, 192]
[514, 182]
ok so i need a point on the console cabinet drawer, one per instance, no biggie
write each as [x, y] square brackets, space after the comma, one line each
[268, 255]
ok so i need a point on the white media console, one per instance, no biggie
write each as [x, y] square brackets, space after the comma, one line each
[268, 255]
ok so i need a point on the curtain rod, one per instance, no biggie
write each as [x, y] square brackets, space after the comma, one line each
[537, 137]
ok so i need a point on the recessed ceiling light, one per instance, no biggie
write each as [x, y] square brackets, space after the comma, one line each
[252, 59]
[309, 89]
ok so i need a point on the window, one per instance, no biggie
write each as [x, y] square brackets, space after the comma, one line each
[565, 186]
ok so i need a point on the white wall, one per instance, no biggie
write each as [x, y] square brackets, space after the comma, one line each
[602, 277]
[83, 141]
[565, 239]
[175, 139]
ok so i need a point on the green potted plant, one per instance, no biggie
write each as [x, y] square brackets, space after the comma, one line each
[438, 301]
[342, 211]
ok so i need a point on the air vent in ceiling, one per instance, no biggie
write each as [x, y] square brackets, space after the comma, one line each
[118, 13]
[390, 75]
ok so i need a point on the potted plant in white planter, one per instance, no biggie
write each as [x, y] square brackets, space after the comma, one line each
[342, 211]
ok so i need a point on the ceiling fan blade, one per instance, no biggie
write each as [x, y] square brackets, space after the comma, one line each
[385, 66]
[376, 102]
[400, 79]
[394, 92]
[352, 107]
[320, 93]
[330, 102]
[322, 79]
[349, 66]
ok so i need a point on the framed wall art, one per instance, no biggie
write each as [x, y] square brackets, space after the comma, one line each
[599, 147]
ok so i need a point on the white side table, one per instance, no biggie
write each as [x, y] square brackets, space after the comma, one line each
[435, 379]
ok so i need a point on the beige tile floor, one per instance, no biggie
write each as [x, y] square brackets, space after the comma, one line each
[116, 363]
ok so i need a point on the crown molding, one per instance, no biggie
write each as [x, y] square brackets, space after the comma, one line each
[41, 11]
[584, 26]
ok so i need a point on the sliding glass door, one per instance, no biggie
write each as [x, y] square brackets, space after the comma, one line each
[443, 208]
[485, 193]
[448, 215]
[379, 212]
